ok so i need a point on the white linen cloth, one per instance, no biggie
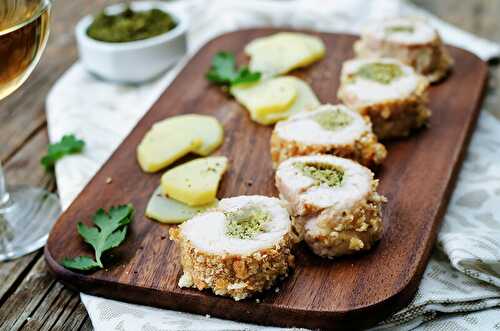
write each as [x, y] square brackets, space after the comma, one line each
[463, 274]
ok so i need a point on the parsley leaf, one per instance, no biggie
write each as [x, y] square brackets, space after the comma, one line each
[69, 144]
[80, 263]
[246, 76]
[109, 232]
[224, 72]
[223, 69]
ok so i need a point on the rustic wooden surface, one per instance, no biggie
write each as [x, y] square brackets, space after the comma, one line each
[352, 291]
[29, 297]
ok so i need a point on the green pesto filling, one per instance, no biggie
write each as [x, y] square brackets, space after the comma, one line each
[333, 120]
[247, 222]
[323, 174]
[383, 73]
[130, 25]
[399, 28]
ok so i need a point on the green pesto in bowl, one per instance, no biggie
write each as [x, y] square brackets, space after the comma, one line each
[130, 25]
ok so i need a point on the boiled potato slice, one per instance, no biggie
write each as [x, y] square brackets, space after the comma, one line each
[266, 97]
[306, 100]
[158, 150]
[260, 92]
[283, 52]
[195, 182]
[174, 137]
[167, 210]
[206, 128]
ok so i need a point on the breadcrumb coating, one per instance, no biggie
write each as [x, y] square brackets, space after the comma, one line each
[334, 233]
[235, 276]
[394, 118]
[366, 150]
[430, 59]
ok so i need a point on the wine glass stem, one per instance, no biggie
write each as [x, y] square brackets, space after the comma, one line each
[5, 232]
[4, 195]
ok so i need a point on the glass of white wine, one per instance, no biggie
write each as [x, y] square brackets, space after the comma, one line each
[26, 213]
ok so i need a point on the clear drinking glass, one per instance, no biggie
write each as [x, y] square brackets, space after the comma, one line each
[26, 213]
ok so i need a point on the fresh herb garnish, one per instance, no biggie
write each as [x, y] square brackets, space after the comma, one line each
[224, 72]
[109, 232]
[69, 144]
[80, 263]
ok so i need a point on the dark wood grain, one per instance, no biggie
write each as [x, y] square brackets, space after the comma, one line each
[417, 178]
[23, 140]
[24, 167]
[29, 295]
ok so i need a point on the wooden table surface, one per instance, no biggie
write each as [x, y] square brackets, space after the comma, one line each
[30, 298]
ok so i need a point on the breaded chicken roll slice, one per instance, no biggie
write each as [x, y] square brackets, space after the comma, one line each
[389, 92]
[411, 40]
[328, 129]
[237, 249]
[335, 203]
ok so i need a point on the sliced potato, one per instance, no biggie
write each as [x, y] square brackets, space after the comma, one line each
[195, 182]
[167, 210]
[306, 100]
[206, 128]
[158, 150]
[260, 93]
[174, 137]
[283, 52]
[275, 95]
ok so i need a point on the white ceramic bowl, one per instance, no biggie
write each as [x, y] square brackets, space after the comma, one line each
[135, 61]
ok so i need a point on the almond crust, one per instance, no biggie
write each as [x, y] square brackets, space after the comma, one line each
[431, 59]
[345, 232]
[365, 150]
[235, 276]
[395, 118]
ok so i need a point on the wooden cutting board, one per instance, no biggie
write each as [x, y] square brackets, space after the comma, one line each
[417, 178]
